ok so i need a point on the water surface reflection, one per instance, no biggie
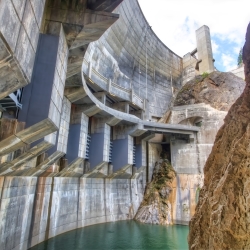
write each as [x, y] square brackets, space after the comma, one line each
[120, 235]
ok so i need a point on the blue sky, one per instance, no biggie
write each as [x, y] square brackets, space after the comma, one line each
[225, 53]
[175, 22]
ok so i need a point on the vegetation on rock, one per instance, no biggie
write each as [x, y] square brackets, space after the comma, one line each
[222, 216]
[204, 75]
[155, 207]
[218, 89]
[240, 58]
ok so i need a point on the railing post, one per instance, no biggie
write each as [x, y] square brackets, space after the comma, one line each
[131, 95]
[109, 85]
[89, 69]
[144, 104]
[127, 108]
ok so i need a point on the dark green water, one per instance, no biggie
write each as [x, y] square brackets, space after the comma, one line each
[120, 235]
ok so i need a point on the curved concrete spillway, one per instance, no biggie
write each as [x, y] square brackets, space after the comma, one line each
[128, 118]
[132, 56]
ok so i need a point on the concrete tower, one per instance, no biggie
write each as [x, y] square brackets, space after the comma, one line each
[204, 48]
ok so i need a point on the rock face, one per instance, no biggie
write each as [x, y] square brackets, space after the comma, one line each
[222, 215]
[218, 89]
[156, 207]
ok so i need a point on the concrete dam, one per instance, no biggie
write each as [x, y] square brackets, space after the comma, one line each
[86, 103]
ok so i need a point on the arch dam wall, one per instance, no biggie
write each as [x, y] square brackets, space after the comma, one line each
[131, 55]
[81, 86]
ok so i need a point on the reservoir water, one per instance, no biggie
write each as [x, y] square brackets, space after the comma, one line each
[120, 235]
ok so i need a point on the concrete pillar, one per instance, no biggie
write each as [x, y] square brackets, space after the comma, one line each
[123, 144]
[140, 154]
[134, 170]
[100, 142]
[131, 95]
[41, 158]
[204, 48]
[20, 23]
[24, 159]
[74, 93]
[189, 68]
[62, 134]
[101, 96]
[86, 167]
[146, 115]
[110, 169]
[90, 69]
[59, 139]
[42, 99]
[141, 149]
[78, 133]
[109, 86]
[122, 152]
[137, 113]
[121, 106]
[77, 143]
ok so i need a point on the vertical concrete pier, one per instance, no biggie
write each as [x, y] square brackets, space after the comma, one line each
[204, 47]
[100, 142]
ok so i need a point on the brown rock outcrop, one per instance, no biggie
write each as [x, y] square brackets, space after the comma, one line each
[156, 207]
[222, 217]
[218, 89]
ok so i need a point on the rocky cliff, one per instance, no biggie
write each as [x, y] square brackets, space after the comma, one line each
[218, 89]
[156, 207]
[222, 216]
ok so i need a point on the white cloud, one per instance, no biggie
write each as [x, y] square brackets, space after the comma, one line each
[175, 21]
[228, 62]
[184, 37]
[215, 47]
[236, 50]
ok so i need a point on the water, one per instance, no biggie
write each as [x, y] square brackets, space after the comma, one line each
[120, 235]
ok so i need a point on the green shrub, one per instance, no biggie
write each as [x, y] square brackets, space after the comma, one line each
[204, 75]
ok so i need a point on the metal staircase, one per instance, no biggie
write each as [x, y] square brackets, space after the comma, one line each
[12, 102]
[110, 151]
[134, 149]
[87, 146]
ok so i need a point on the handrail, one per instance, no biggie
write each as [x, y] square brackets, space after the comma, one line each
[147, 125]
[138, 98]
[120, 87]
[100, 75]
[130, 95]
[85, 61]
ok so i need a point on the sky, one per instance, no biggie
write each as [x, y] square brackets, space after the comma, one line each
[175, 22]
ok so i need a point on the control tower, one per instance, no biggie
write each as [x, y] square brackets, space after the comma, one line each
[204, 48]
